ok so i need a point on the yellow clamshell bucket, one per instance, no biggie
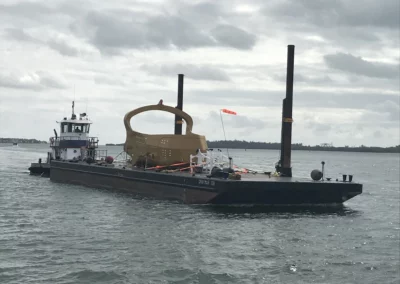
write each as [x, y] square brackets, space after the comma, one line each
[161, 149]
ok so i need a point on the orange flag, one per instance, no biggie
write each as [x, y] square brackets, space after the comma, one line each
[228, 111]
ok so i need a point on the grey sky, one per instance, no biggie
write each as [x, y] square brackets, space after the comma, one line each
[120, 55]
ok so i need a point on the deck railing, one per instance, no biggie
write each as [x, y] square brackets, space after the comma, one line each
[91, 142]
[94, 154]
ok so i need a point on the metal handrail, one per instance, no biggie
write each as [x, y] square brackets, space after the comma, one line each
[93, 142]
[73, 138]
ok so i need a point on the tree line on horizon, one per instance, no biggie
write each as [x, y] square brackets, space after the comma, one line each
[21, 140]
[242, 144]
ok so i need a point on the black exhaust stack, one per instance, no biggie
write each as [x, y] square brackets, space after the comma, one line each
[178, 119]
[284, 165]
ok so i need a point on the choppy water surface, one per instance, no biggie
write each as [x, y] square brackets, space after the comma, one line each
[54, 233]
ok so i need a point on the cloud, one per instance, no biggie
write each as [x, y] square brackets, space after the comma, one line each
[303, 79]
[234, 37]
[239, 121]
[57, 42]
[371, 13]
[63, 47]
[378, 134]
[320, 129]
[108, 80]
[242, 121]
[20, 35]
[389, 107]
[321, 13]
[349, 25]
[204, 14]
[178, 32]
[113, 32]
[359, 66]
[110, 30]
[26, 9]
[312, 99]
[33, 81]
[193, 72]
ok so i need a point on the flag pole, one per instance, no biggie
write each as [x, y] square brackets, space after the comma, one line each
[223, 128]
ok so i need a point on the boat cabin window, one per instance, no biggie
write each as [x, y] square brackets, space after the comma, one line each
[73, 127]
[64, 127]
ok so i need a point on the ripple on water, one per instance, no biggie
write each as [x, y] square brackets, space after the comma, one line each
[90, 276]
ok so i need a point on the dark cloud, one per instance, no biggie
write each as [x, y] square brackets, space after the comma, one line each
[175, 31]
[371, 13]
[233, 37]
[155, 32]
[205, 14]
[359, 66]
[111, 30]
[304, 98]
[63, 47]
[326, 14]
[191, 71]
[58, 44]
[352, 25]
[26, 9]
[20, 35]
[321, 13]
[391, 108]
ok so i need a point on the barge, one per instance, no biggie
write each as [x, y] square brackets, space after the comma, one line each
[181, 167]
[257, 188]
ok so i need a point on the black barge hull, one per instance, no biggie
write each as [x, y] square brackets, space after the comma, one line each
[252, 189]
[40, 169]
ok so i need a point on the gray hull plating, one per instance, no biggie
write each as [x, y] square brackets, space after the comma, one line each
[252, 189]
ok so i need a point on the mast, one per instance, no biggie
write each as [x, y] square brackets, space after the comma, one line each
[178, 119]
[284, 166]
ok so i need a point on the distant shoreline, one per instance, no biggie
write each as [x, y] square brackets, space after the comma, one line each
[21, 141]
[245, 145]
[235, 144]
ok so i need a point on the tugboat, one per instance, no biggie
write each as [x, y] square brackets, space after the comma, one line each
[73, 143]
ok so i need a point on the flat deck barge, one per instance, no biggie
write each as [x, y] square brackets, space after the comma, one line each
[200, 189]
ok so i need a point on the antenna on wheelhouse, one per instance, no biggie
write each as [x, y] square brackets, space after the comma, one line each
[73, 106]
